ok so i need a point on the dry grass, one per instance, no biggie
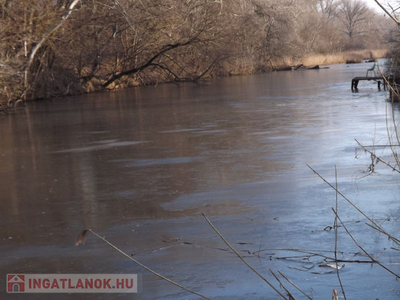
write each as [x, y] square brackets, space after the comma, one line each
[329, 59]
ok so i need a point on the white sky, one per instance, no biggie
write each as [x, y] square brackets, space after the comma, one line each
[373, 5]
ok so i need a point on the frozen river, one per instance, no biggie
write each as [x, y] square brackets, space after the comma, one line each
[139, 167]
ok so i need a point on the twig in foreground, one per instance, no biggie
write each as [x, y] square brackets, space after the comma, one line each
[299, 289]
[378, 158]
[336, 236]
[82, 239]
[380, 230]
[242, 259]
[355, 206]
[282, 286]
[373, 260]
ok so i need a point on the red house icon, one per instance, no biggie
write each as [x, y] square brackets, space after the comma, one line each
[15, 283]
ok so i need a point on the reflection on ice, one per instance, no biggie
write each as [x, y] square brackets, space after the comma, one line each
[103, 145]
[157, 161]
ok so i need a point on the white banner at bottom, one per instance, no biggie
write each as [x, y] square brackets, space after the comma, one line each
[72, 283]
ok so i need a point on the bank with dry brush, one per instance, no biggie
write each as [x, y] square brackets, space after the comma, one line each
[56, 48]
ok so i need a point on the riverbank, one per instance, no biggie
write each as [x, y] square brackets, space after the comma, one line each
[112, 46]
[329, 59]
[240, 68]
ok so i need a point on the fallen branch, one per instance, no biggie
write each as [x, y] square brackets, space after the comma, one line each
[312, 254]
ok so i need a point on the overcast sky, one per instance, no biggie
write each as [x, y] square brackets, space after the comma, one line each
[372, 4]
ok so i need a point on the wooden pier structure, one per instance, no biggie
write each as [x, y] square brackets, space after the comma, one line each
[378, 79]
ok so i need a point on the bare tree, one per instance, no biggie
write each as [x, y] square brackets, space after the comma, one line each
[329, 8]
[354, 15]
[53, 48]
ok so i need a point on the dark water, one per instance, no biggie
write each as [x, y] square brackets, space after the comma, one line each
[140, 166]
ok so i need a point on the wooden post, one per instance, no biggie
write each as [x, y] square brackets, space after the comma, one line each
[354, 85]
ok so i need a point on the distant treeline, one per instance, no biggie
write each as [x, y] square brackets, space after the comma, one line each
[51, 48]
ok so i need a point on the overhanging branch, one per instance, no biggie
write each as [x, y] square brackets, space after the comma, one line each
[389, 14]
[147, 64]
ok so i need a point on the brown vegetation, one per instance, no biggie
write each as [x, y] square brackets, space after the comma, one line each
[333, 58]
[53, 48]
